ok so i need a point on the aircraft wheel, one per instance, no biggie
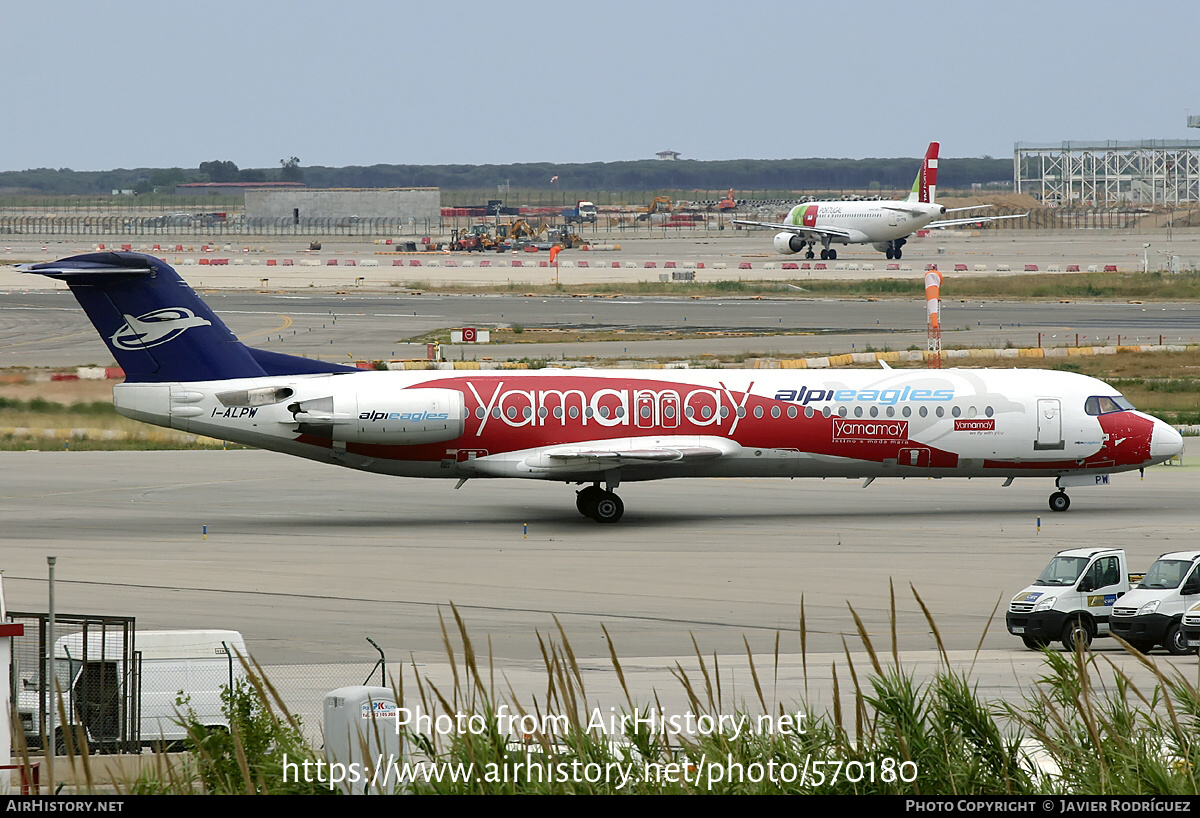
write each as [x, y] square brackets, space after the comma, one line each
[608, 508]
[832, 254]
[888, 252]
[1174, 642]
[586, 499]
[1059, 501]
[897, 254]
[809, 254]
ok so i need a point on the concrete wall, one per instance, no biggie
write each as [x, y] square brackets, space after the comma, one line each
[418, 203]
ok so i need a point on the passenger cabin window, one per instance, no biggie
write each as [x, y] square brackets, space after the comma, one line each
[1103, 404]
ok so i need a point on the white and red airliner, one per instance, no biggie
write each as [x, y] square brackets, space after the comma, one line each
[884, 224]
[599, 429]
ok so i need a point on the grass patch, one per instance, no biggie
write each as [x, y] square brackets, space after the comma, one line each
[80, 427]
[886, 731]
[10, 443]
[1153, 286]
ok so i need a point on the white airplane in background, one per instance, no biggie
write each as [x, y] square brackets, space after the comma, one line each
[185, 370]
[884, 224]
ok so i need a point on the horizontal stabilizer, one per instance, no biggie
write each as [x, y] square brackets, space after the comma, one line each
[92, 265]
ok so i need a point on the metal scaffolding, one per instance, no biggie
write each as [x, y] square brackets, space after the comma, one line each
[1146, 172]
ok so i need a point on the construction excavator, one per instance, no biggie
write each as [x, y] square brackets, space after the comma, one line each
[660, 204]
[520, 230]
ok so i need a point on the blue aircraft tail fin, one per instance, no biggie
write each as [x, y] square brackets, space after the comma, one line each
[156, 326]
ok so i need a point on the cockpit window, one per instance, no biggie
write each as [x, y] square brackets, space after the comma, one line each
[1103, 404]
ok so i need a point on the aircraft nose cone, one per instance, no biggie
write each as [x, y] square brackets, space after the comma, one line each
[1166, 442]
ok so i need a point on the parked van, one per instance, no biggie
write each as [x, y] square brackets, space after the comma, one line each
[118, 699]
[1071, 599]
[1152, 613]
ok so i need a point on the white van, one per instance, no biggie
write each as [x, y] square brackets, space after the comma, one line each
[176, 670]
[1152, 613]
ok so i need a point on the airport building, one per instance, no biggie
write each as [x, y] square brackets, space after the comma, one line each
[401, 204]
[1144, 172]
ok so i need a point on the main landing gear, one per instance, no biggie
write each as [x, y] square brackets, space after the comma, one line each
[894, 248]
[1059, 501]
[827, 252]
[601, 505]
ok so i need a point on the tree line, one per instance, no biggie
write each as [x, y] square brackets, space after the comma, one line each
[643, 175]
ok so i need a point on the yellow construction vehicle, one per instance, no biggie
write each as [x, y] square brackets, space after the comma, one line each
[660, 204]
[519, 230]
[473, 239]
[566, 238]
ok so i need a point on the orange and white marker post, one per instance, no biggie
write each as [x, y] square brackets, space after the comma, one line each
[554, 251]
[933, 307]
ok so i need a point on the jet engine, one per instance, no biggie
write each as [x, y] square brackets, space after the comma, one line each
[789, 243]
[401, 417]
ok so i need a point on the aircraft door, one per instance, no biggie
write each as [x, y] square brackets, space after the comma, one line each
[670, 410]
[645, 410]
[656, 409]
[1049, 425]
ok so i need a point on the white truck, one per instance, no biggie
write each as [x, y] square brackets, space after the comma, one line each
[1072, 599]
[1152, 613]
[582, 212]
[175, 670]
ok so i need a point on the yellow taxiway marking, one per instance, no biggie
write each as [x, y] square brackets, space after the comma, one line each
[287, 322]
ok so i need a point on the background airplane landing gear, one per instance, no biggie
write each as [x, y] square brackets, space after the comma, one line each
[1059, 501]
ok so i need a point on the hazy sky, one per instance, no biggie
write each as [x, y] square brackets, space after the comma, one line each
[99, 85]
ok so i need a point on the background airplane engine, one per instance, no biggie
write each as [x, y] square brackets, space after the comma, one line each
[788, 243]
[882, 246]
[405, 417]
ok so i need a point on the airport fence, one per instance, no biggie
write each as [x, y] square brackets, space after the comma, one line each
[611, 227]
[150, 226]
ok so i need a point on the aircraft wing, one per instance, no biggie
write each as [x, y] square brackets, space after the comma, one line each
[649, 452]
[619, 457]
[816, 232]
[954, 222]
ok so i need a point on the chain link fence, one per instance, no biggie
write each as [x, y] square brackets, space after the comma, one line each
[124, 691]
